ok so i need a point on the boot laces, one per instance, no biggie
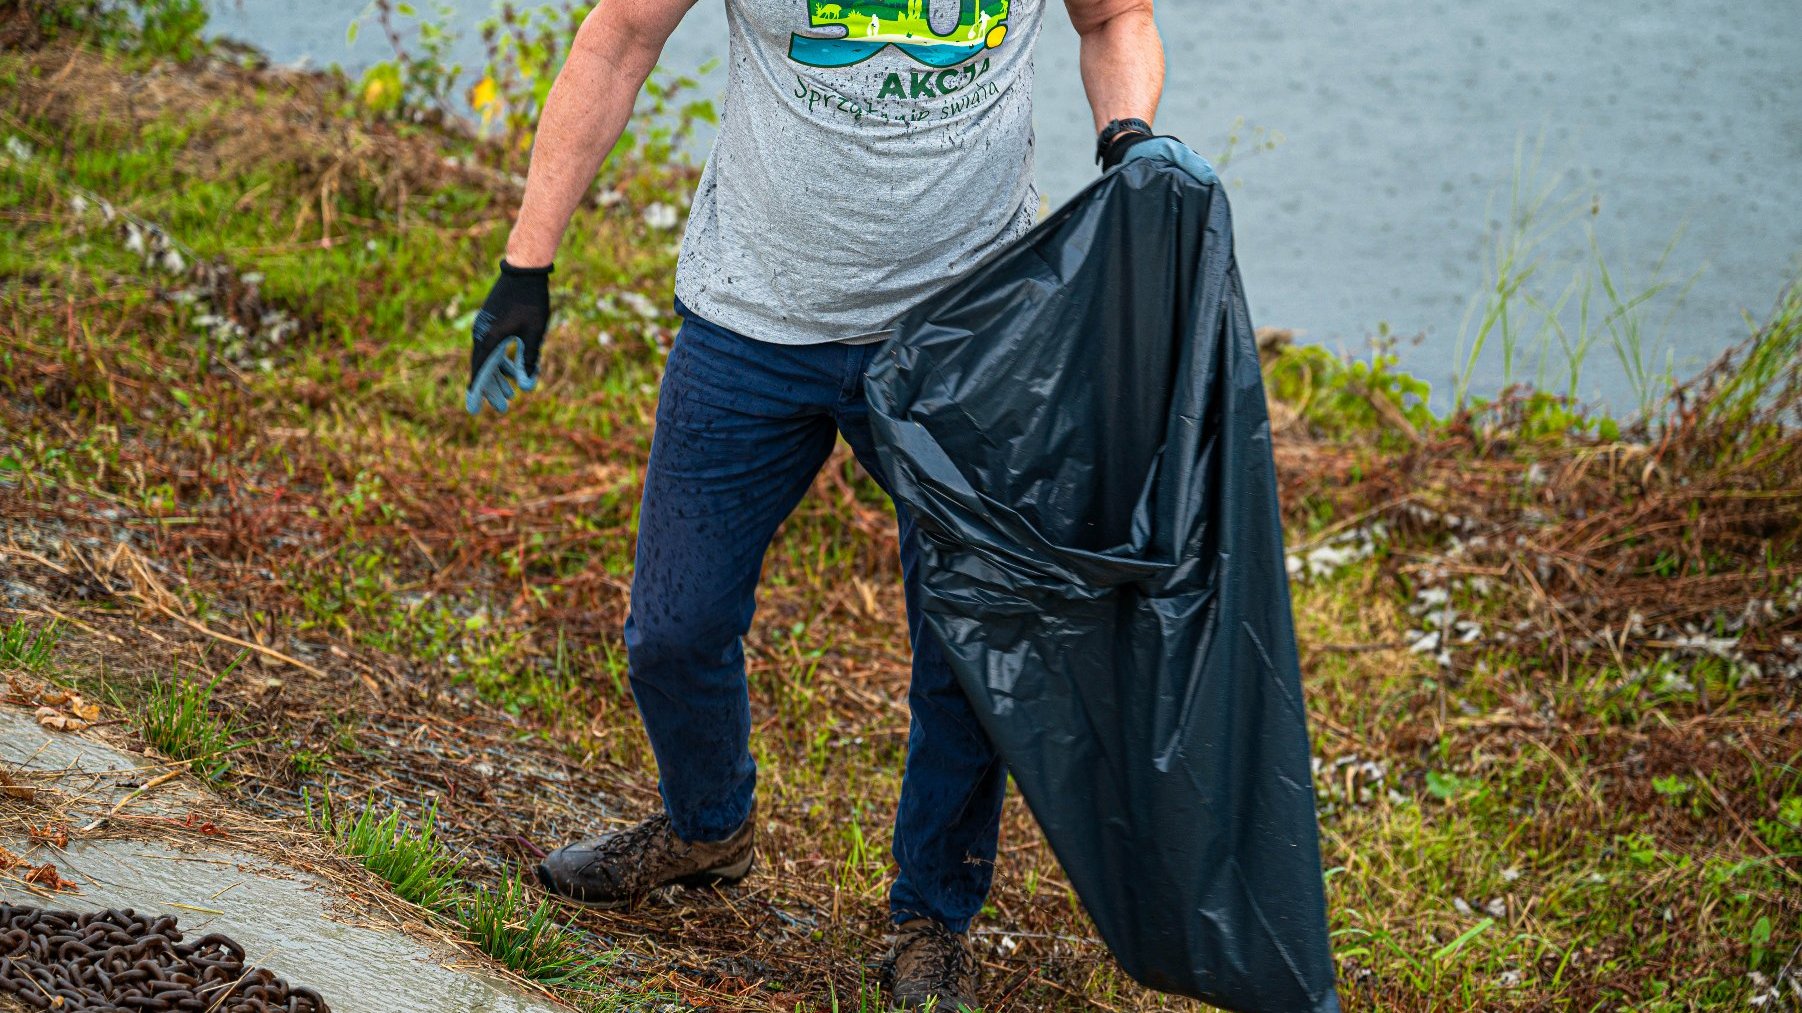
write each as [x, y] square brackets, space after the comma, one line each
[634, 841]
[946, 959]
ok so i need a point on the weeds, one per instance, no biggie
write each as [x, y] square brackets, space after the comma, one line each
[1341, 397]
[505, 924]
[868, 999]
[414, 861]
[149, 29]
[26, 647]
[1515, 318]
[421, 79]
[177, 720]
[524, 52]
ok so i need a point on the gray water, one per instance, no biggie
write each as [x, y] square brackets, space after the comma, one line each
[1401, 126]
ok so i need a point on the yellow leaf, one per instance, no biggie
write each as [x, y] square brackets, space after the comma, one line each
[484, 97]
[372, 91]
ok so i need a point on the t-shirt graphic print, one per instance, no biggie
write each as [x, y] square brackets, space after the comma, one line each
[873, 25]
[870, 152]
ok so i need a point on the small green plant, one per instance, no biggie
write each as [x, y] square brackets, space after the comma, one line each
[1341, 396]
[1448, 787]
[1671, 787]
[413, 860]
[1765, 374]
[505, 924]
[869, 999]
[421, 79]
[22, 646]
[177, 721]
[1783, 832]
[525, 51]
[169, 28]
[308, 762]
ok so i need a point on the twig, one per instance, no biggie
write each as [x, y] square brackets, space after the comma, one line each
[1330, 531]
[134, 795]
[269, 652]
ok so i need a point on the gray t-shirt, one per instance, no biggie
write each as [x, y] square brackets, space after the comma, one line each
[869, 153]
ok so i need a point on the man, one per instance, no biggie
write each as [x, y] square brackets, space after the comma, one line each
[870, 151]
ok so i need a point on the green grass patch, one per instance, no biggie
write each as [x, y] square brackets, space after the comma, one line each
[177, 720]
[1522, 826]
[504, 923]
[413, 860]
[27, 647]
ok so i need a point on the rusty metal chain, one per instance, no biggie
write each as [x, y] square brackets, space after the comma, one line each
[125, 961]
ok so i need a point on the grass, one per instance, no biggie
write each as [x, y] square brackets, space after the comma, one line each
[176, 719]
[523, 933]
[412, 860]
[502, 921]
[1525, 313]
[1588, 816]
[27, 646]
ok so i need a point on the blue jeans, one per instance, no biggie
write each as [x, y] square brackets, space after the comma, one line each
[743, 426]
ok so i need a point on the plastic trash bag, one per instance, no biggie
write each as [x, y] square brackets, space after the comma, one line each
[1079, 428]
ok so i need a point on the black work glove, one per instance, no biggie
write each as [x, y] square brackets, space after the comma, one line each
[508, 333]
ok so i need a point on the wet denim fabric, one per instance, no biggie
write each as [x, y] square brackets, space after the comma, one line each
[742, 428]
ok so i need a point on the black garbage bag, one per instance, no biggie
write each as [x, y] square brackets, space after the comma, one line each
[1079, 428]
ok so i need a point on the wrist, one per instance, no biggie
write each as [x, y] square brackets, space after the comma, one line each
[511, 267]
[1117, 130]
[523, 252]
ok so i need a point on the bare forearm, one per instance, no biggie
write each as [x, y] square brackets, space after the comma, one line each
[1122, 59]
[587, 110]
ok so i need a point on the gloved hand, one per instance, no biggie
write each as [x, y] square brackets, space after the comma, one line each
[1135, 146]
[508, 333]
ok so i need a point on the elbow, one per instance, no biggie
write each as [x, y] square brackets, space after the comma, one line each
[1103, 16]
[617, 44]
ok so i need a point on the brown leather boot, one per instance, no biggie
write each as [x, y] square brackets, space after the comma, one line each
[929, 967]
[619, 869]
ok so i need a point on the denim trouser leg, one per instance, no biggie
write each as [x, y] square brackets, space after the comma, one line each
[949, 820]
[742, 428]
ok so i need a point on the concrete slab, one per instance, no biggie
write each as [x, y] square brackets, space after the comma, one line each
[87, 768]
[280, 915]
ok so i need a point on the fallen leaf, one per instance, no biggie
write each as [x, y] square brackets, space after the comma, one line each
[10, 788]
[57, 721]
[8, 860]
[46, 876]
[50, 833]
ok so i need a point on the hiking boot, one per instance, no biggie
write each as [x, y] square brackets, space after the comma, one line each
[619, 869]
[930, 967]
